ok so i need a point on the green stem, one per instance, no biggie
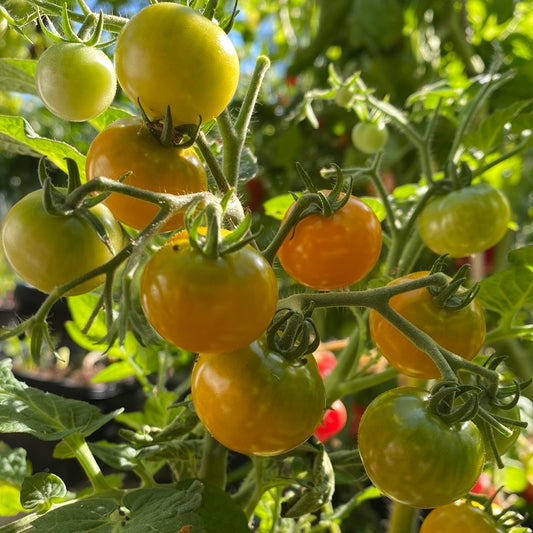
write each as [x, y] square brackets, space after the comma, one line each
[79, 447]
[259, 466]
[112, 23]
[213, 164]
[402, 518]
[234, 134]
[213, 466]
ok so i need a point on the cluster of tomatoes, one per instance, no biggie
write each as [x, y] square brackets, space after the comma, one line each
[218, 302]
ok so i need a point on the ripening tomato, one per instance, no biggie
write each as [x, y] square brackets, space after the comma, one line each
[326, 362]
[255, 402]
[205, 304]
[465, 221]
[170, 55]
[127, 145]
[332, 252]
[333, 421]
[75, 82]
[461, 331]
[412, 455]
[48, 251]
[460, 517]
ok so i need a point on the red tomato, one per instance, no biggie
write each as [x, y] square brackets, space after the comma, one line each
[326, 362]
[334, 420]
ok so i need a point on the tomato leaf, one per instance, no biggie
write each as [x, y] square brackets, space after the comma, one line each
[17, 136]
[491, 131]
[17, 75]
[13, 465]
[509, 293]
[47, 416]
[42, 490]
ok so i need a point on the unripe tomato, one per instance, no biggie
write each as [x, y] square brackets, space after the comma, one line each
[48, 251]
[412, 455]
[255, 402]
[369, 137]
[205, 304]
[460, 517]
[332, 252]
[465, 221]
[170, 55]
[126, 145]
[461, 331]
[75, 82]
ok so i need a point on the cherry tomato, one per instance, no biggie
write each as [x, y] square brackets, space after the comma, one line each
[75, 82]
[465, 221]
[126, 145]
[461, 331]
[333, 421]
[255, 402]
[204, 304]
[483, 484]
[369, 137]
[460, 517]
[412, 455]
[326, 362]
[170, 55]
[326, 253]
[48, 251]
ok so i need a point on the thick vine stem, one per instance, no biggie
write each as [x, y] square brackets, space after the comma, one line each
[213, 465]
[234, 133]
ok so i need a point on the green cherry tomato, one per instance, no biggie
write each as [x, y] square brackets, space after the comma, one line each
[48, 251]
[466, 221]
[170, 55]
[255, 402]
[460, 517]
[74, 81]
[126, 146]
[333, 252]
[461, 331]
[369, 137]
[412, 455]
[204, 304]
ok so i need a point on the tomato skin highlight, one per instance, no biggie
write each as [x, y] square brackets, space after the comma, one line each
[74, 81]
[57, 249]
[465, 221]
[204, 304]
[326, 253]
[412, 455]
[460, 331]
[125, 146]
[459, 517]
[255, 402]
[170, 55]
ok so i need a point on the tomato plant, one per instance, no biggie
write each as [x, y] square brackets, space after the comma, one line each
[461, 331]
[465, 221]
[458, 517]
[369, 137]
[170, 55]
[200, 303]
[434, 463]
[239, 394]
[127, 146]
[57, 248]
[333, 421]
[75, 82]
[331, 252]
